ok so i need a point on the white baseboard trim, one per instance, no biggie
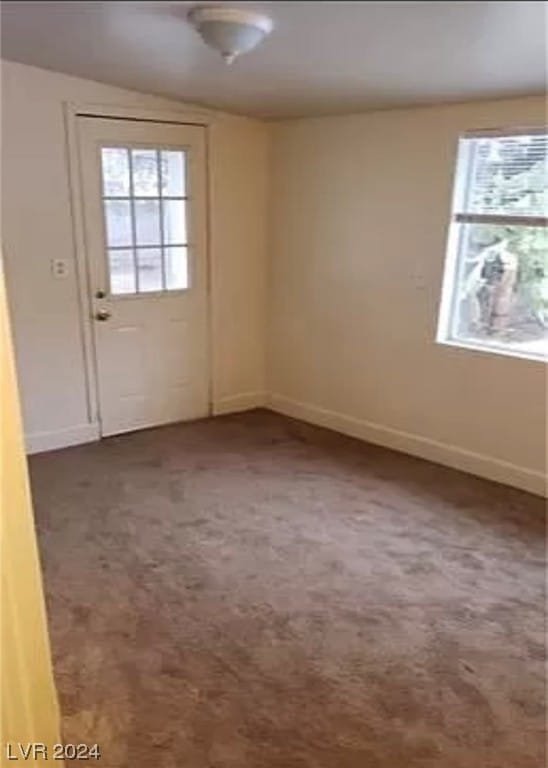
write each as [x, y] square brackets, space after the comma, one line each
[416, 445]
[245, 401]
[425, 448]
[37, 442]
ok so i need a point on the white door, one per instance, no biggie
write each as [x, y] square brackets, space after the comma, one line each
[144, 202]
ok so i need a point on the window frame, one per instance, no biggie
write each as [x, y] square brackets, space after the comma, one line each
[163, 246]
[453, 263]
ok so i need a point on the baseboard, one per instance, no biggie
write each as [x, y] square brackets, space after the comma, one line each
[245, 401]
[416, 445]
[37, 442]
[407, 442]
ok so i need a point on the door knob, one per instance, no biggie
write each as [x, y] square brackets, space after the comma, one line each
[102, 315]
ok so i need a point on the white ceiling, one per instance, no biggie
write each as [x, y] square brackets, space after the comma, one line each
[323, 57]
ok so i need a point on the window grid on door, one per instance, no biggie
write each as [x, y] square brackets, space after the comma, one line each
[145, 208]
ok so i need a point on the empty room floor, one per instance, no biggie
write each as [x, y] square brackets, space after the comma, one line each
[249, 592]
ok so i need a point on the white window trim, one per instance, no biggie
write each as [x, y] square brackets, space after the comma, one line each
[448, 293]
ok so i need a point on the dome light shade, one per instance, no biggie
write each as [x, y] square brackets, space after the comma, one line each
[231, 31]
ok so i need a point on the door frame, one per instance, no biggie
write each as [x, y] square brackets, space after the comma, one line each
[73, 111]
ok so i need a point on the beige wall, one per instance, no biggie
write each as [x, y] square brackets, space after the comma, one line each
[360, 213]
[28, 700]
[36, 208]
[239, 155]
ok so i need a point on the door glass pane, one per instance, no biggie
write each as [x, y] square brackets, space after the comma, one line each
[174, 222]
[145, 172]
[149, 262]
[115, 165]
[146, 233]
[173, 174]
[177, 277]
[118, 221]
[122, 271]
[147, 222]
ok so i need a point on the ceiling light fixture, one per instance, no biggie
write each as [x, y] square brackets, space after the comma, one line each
[231, 31]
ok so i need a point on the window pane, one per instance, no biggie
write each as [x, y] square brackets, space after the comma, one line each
[509, 175]
[173, 174]
[501, 291]
[145, 172]
[177, 277]
[118, 222]
[147, 222]
[174, 221]
[115, 164]
[122, 271]
[149, 261]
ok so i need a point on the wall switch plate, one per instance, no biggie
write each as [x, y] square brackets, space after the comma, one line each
[59, 268]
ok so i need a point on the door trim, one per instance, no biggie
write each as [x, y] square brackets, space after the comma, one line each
[72, 111]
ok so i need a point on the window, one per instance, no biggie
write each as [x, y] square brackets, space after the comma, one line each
[145, 207]
[495, 293]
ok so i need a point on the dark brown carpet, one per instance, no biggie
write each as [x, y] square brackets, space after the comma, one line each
[250, 592]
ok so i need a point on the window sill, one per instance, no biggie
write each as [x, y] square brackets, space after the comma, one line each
[525, 353]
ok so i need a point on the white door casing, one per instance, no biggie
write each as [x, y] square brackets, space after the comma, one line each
[149, 311]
